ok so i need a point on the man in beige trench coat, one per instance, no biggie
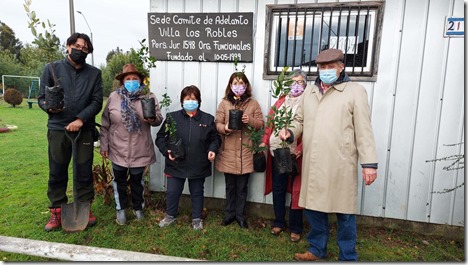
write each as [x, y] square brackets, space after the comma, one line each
[334, 120]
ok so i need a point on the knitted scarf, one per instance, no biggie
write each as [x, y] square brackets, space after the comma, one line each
[130, 117]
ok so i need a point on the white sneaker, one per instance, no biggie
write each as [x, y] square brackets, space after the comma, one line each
[121, 218]
[167, 221]
[139, 215]
[197, 224]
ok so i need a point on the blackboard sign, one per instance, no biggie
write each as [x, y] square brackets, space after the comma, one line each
[202, 37]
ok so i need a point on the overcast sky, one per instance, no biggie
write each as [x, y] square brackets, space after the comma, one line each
[114, 23]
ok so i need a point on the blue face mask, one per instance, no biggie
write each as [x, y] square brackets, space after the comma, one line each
[328, 76]
[190, 105]
[132, 85]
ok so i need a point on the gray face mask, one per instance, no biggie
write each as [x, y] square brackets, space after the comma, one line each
[78, 56]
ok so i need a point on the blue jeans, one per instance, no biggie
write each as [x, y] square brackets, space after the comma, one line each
[320, 232]
[280, 182]
[175, 186]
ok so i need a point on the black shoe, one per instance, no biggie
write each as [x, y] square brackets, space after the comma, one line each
[226, 221]
[243, 224]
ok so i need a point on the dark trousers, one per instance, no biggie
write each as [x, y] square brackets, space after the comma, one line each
[60, 155]
[175, 186]
[137, 187]
[320, 232]
[280, 182]
[236, 196]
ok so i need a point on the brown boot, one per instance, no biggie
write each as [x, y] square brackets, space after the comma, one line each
[307, 256]
[55, 220]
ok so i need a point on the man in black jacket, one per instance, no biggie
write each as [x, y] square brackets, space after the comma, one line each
[71, 94]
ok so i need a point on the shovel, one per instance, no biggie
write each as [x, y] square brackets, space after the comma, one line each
[75, 216]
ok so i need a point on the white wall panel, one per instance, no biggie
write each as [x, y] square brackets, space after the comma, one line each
[208, 85]
[383, 105]
[457, 59]
[158, 85]
[427, 122]
[406, 104]
[452, 119]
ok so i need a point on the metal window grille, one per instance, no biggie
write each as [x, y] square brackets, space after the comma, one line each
[297, 33]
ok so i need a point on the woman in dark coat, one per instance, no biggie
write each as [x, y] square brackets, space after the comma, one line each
[200, 142]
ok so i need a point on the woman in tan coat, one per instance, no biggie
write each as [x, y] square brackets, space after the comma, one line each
[234, 159]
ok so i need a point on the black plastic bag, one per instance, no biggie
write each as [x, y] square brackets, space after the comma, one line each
[177, 149]
[149, 108]
[259, 162]
[235, 119]
[54, 97]
[283, 160]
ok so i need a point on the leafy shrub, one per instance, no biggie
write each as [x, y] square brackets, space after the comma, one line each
[282, 117]
[13, 97]
[255, 139]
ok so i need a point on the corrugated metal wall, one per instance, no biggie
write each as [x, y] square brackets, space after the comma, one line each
[417, 106]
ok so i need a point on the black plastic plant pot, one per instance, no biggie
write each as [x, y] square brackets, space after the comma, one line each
[283, 162]
[235, 119]
[259, 162]
[54, 97]
[177, 149]
[149, 108]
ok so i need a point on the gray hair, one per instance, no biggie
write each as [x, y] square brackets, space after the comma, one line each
[299, 72]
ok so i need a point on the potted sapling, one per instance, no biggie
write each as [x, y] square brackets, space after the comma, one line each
[148, 104]
[235, 115]
[259, 159]
[49, 44]
[174, 143]
[279, 119]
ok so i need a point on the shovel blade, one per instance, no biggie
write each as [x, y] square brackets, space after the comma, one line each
[75, 216]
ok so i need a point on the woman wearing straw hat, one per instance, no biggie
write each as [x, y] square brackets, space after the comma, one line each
[126, 140]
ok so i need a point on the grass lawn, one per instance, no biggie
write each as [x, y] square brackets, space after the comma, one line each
[24, 212]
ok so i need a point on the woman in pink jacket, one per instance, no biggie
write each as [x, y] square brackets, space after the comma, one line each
[126, 140]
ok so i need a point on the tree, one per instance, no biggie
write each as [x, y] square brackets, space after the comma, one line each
[8, 40]
[46, 41]
[114, 67]
[32, 59]
[10, 65]
[112, 53]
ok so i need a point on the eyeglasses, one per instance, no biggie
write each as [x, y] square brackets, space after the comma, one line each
[81, 48]
[299, 82]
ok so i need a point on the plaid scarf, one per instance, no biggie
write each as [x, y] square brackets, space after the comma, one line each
[130, 118]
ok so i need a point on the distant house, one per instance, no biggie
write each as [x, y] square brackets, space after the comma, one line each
[409, 55]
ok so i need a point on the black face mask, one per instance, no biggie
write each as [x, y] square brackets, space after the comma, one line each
[78, 56]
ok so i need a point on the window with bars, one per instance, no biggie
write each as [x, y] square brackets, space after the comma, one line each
[297, 33]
